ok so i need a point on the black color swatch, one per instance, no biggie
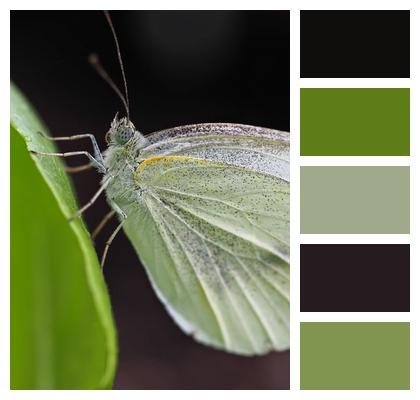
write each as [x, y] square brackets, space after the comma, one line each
[355, 277]
[355, 44]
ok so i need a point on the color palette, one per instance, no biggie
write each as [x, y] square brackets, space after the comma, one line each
[355, 122]
[355, 355]
[355, 277]
[355, 199]
[361, 200]
[355, 44]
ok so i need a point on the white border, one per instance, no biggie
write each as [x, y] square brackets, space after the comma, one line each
[296, 161]
[354, 317]
[355, 82]
[354, 160]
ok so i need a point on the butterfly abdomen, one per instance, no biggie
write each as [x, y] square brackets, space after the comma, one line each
[122, 188]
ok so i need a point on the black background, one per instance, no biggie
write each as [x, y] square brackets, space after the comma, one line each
[355, 44]
[182, 67]
[355, 277]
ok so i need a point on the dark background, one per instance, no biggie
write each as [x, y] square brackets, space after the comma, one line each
[182, 67]
[359, 277]
[355, 44]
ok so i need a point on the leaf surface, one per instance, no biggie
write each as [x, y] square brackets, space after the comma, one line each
[62, 330]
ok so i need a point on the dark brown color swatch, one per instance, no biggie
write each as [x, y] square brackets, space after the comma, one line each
[355, 277]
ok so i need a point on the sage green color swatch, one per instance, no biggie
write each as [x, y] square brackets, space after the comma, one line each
[368, 199]
[355, 122]
[355, 355]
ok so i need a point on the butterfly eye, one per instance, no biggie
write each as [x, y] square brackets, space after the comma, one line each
[123, 136]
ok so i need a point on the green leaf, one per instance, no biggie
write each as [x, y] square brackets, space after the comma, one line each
[62, 330]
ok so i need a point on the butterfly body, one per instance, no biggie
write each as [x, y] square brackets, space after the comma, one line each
[207, 209]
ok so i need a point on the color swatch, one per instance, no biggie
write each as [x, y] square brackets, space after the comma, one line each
[362, 198]
[355, 122]
[355, 44]
[355, 199]
[355, 355]
[355, 277]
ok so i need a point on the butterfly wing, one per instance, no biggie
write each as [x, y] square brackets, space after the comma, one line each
[214, 238]
[261, 149]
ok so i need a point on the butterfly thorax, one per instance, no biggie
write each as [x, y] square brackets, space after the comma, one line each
[121, 159]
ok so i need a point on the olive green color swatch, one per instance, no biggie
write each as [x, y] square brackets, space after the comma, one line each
[368, 199]
[355, 122]
[355, 355]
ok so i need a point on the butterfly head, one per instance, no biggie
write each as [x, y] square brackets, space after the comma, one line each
[121, 132]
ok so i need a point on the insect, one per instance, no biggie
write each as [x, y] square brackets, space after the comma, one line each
[206, 208]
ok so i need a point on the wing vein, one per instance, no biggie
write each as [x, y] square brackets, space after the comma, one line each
[221, 326]
[234, 305]
[215, 146]
[208, 198]
[242, 237]
[217, 269]
[190, 227]
[260, 313]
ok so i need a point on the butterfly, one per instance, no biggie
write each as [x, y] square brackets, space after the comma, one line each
[206, 207]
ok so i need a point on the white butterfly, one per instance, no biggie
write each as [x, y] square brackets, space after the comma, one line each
[207, 209]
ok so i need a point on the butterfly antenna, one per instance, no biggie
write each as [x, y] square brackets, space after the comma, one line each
[96, 64]
[117, 47]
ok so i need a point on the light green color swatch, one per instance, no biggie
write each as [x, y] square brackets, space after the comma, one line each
[355, 199]
[355, 355]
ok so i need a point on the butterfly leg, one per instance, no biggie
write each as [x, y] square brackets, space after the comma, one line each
[92, 159]
[103, 222]
[92, 200]
[96, 152]
[109, 241]
[118, 210]
[79, 168]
